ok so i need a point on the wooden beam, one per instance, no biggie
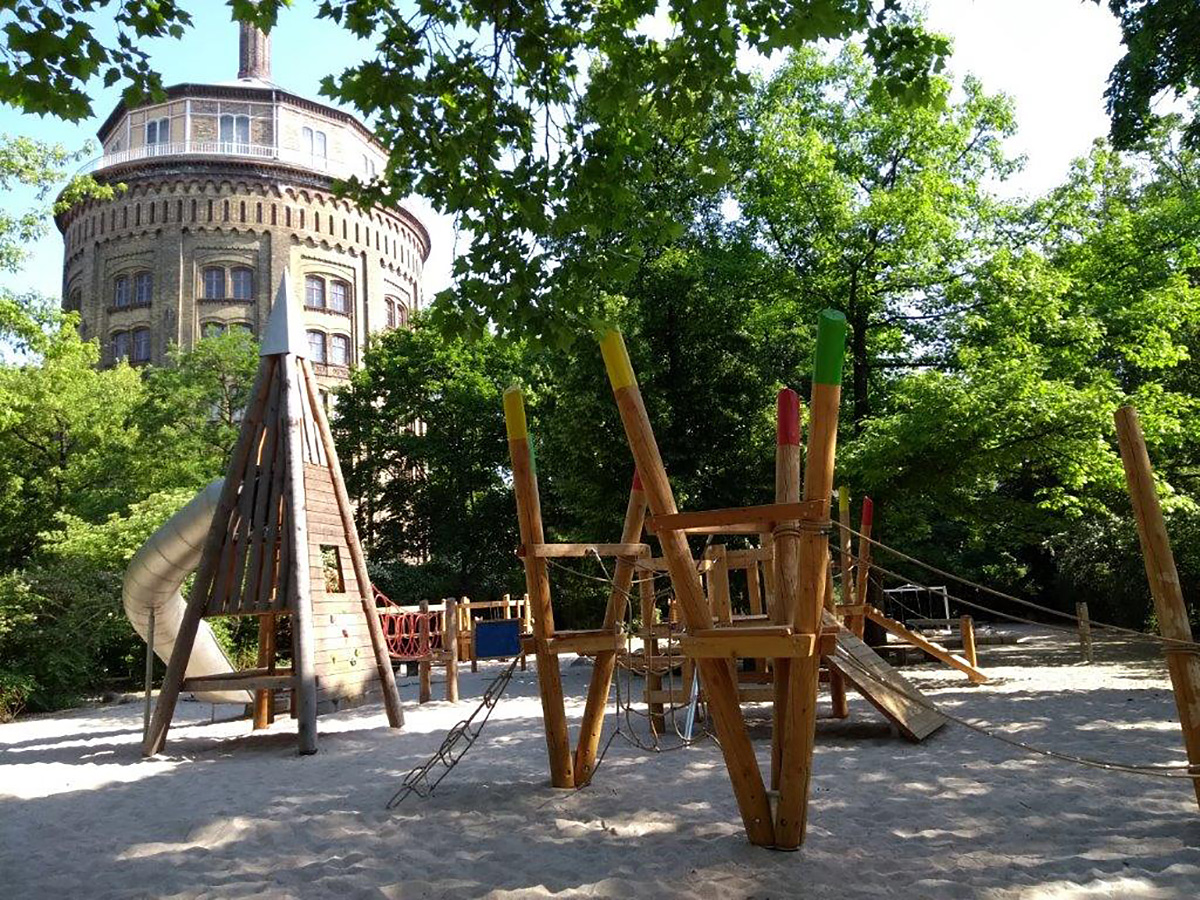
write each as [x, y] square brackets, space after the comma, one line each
[562, 551]
[762, 518]
[740, 761]
[299, 572]
[537, 583]
[614, 614]
[786, 552]
[582, 642]
[1182, 662]
[934, 649]
[239, 681]
[801, 716]
[746, 643]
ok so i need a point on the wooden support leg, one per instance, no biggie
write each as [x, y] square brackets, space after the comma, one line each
[149, 675]
[800, 724]
[863, 569]
[606, 661]
[425, 666]
[837, 682]
[1085, 631]
[264, 700]
[452, 649]
[787, 563]
[529, 515]
[719, 688]
[526, 625]
[966, 627]
[1182, 662]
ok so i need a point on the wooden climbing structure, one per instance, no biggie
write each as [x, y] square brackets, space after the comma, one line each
[283, 544]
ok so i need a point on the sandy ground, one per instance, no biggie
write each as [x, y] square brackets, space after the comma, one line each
[229, 814]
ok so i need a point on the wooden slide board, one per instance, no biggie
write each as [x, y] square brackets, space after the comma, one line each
[882, 685]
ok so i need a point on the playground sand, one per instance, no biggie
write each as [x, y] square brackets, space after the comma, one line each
[224, 814]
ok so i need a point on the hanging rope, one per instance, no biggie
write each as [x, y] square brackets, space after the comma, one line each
[1170, 644]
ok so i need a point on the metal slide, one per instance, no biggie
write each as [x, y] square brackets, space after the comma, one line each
[153, 580]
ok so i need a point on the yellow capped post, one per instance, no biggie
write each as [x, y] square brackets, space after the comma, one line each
[616, 360]
[514, 414]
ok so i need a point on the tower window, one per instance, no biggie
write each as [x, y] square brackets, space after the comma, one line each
[243, 283]
[158, 132]
[121, 291]
[339, 296]
[214, 283]
[143, 288]
[235, 130]
[339, 350]
[316, 346]
[120, 346]
[141, 345]
[314, 292]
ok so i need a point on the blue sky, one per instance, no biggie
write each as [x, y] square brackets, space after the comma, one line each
[1051, 56]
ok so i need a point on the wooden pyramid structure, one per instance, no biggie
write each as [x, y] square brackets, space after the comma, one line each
[283, 544]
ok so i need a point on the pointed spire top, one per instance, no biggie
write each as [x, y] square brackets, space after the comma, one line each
[285, 327]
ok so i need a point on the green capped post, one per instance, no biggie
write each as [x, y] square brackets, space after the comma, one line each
[831, 347]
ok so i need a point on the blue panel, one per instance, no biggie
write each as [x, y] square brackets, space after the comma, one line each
[498, 639]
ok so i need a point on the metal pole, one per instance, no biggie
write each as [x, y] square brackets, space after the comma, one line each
[149, 672]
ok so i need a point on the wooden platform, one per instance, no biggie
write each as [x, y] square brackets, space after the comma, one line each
[883, 686]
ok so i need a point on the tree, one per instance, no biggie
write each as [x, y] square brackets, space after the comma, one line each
[191, 413]
[420, 431]
[498, 113]
[1162, 54]
[878, 208]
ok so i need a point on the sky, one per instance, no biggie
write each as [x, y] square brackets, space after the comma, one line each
[1051, 56]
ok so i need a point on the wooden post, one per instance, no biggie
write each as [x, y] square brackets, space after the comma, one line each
[846, 555]
[864, 556]
[786, 579]
[650, 649]
[754, 593]
[149, 674]
[172, 683]
[452, 650]
[966, 627]
[801, 715]
[719, 687]
[718, 585]
[526, 626]
[366, 595]
[537, 582]
[1085, 630]
[425, 664]
[264, 699]
[1183, 663]
[299, 575]
[837, 681]
[606, 660]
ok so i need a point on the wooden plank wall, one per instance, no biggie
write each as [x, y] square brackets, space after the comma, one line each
[345, 665]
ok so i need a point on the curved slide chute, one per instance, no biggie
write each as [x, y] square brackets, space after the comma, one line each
[153, 580]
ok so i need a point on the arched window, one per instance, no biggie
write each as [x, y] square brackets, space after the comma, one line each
[141, 345]
[242, 280]
[214, 283]
[121, 290]
[314, 292]
[401, 314]
[316, 346]
[339, 345]
[241, 326]
[75, 299]
[390, 303]
[212, 329]
[339, 296]
[143, 288]
[120, 346]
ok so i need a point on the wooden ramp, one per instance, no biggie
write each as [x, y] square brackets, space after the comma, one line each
[883, 686]
[934, 649]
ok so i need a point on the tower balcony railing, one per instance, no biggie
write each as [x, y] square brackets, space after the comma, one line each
[236, 149]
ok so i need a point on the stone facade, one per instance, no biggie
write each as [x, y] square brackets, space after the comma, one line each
[226, 188]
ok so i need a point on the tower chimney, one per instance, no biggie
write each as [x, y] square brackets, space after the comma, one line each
[254, 53]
